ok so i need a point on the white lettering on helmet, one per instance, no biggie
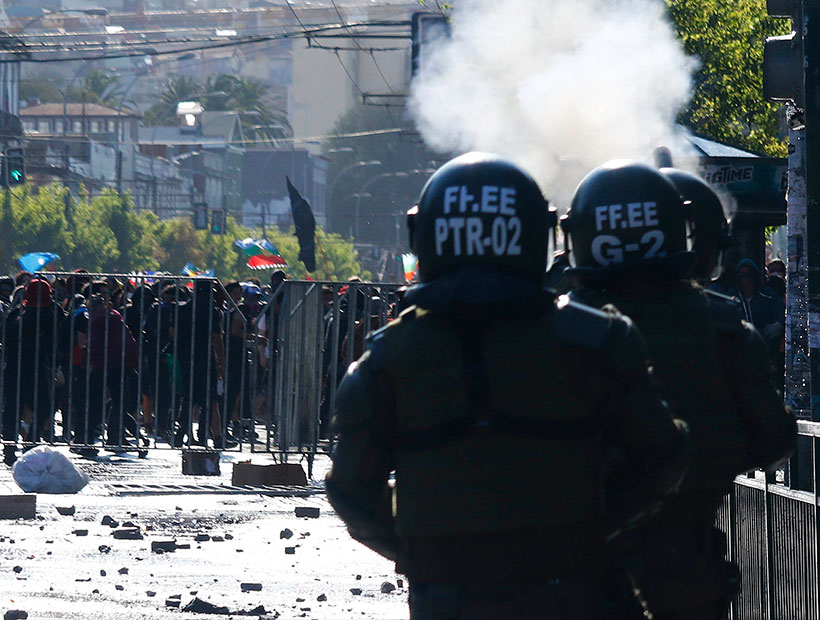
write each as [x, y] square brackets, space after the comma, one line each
[465, 199]
[441, 234]
[508, 198]
[489, 199]
[450, 198]
[475, 228]
[456, 225]
[606, 249]
[600, 217]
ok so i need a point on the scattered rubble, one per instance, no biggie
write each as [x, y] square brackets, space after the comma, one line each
[311, 512]
[251, 587]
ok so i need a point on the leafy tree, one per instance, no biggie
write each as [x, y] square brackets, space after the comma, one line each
[728, 103]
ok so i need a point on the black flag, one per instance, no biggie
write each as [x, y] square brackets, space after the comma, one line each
[305, 227]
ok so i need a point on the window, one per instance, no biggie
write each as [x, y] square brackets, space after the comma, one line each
[28, 126]
[95, 126]
[77, 126]
[59, 126]
[43, 125]
[110, 126]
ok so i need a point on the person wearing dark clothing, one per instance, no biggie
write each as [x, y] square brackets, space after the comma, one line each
[199, 332]
[113, 359]
[161, 382]
[761, 305]
[527, 392]
[32, 345]
[711, 368]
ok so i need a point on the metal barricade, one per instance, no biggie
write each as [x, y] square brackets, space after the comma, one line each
[772, 532]
[136, 362]
[115, 361]
[312, 332]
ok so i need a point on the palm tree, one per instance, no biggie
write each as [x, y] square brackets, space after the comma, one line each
[98, 87]
[261, 119]
[182, 88]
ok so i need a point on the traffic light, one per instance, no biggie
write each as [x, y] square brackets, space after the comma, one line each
[425, 29]
[201, 216]
[783, 76]
[14, 167]
[218, 222]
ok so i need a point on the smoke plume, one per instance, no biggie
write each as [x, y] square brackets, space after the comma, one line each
[560, 87]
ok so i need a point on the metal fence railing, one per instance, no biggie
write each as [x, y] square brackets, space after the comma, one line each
[772, 533]
[136, 362]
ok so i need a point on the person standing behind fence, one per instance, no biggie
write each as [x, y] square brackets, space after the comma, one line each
[114, 358]
[494, 403]
[199, 333]
[627, 234]
[33, 349]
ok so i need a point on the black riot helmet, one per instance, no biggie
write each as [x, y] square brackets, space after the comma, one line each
[709, 229]
[627, 217]
[481, 210]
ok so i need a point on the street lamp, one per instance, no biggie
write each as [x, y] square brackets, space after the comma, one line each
[339, 175]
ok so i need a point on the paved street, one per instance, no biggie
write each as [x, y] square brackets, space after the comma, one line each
[52, 569]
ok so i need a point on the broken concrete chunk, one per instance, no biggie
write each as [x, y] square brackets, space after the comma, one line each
[251, 587]
[355, 591]
[15, 614]
[104, 549]
[172, 602]
[311, 512]
[198, 606]
[102, 573]
[286, 534]
[150, 594]
[18, 569]
[163, 546]
[387, 587]
[80, 532]
[119, 587]
[400, 583]
[66, 511]
[128, 533]
[201, 537]
[217, 539]
[290, 550]
[123, 571]
[321, 598]
[107, 520]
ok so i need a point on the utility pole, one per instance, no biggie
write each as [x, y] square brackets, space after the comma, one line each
[791, 73]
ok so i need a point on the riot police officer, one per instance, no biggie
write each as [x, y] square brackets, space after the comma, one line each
[493, 401]
[708, 226]
[627, 233]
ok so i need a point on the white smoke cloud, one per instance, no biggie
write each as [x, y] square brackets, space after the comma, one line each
[558, 86]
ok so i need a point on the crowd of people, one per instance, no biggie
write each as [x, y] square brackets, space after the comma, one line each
[117, 360]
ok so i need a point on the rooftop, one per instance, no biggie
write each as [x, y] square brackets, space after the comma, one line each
[73, 109]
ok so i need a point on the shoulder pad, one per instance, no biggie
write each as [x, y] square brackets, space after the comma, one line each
[375, 346]
[579, 325]
[408, 314]
[726, 310]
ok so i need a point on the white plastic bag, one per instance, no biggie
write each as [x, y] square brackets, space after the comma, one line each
[44, 470]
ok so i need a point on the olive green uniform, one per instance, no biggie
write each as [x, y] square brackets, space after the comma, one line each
[495, 425]
[714, 371]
